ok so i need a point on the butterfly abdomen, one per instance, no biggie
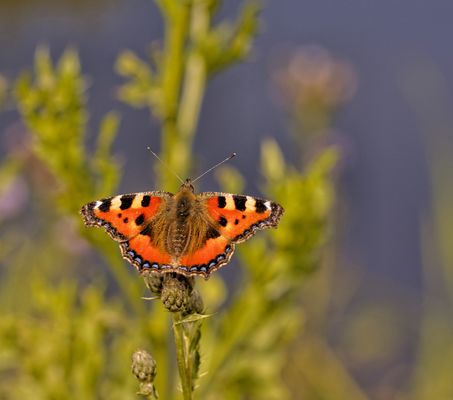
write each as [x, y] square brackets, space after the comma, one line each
[179, 240]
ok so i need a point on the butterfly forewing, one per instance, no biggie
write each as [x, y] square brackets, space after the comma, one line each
[124, 216]
[239, 217]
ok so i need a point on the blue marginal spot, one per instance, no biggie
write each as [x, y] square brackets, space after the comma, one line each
[131, 253]
[155, 265]
[146, 264]
[203, 269]
[220, 257]
[194, 268]
[212, 264]
[184, 268]
[138, 259]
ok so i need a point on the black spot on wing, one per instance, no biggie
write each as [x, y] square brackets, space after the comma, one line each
[148, 231]
[146, 200]
[105, 205]
[126, 201]
[223, 221]
[260, 207]
[239, 202]
[126, 220]
[140, 219]
[221, 201]
[212, 233]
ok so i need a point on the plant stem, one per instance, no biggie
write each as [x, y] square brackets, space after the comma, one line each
[185, 77]
[195, 75]
[176, 33]
[182, 357]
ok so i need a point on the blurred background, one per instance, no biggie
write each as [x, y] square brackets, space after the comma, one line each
[377, 76]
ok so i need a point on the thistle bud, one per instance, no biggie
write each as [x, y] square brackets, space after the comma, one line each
[153, 281]
[195, 305]
[176, 292]
[143, 366]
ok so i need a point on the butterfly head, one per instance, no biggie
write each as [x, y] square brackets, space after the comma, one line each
[187, 184]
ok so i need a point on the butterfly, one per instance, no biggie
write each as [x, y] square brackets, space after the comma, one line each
[191, 234]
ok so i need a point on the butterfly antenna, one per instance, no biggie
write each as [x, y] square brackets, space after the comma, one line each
[215, 166]
[166, 166]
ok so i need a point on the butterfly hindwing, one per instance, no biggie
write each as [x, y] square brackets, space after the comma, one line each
[124, 216]
[142, 253]
[215, 253]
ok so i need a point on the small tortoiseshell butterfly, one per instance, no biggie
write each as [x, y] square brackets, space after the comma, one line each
[187, 233]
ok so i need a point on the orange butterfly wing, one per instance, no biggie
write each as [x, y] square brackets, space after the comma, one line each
[240, 217]
[124, 216]
[127, 218]
[142, 254]
[237, 218]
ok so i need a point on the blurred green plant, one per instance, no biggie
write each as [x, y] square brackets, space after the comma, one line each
[67, 345]
[172, 83]
[242, 348]
[53, 106]
[426, 91]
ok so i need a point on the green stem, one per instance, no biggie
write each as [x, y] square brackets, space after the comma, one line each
[186, 78]
[195, 75]
[176, 33]
[182, 357]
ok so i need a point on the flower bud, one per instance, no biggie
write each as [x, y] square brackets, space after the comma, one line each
[176, 292]
[195, 305]
[153, 281]
[143, 366]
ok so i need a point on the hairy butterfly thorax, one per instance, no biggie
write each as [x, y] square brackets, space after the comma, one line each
[187, 233]
[183, 212]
